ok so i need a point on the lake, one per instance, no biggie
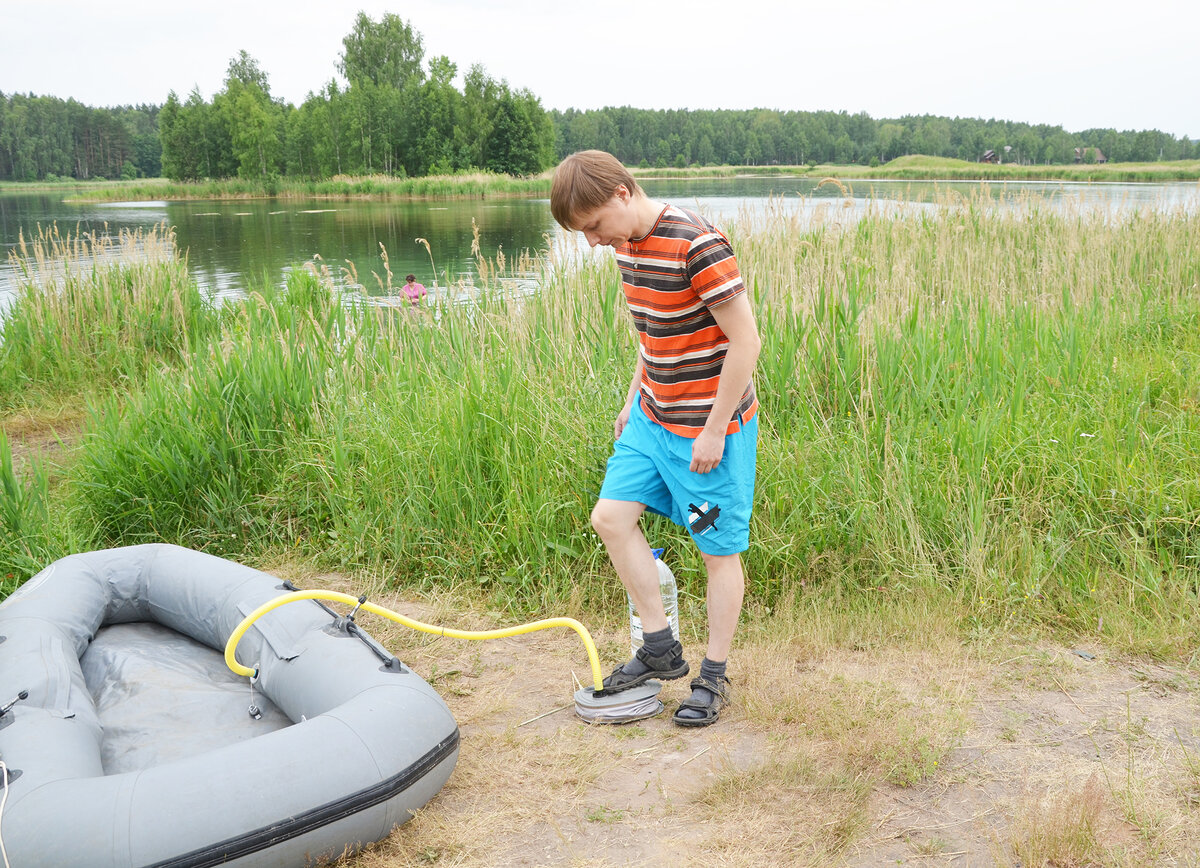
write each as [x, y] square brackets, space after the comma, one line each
[235, 245]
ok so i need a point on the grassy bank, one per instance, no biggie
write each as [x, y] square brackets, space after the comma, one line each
[987, 413]
[920, 168]
[702, 172]
[475, 185]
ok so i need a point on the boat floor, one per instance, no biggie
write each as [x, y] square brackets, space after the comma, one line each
[162, 696]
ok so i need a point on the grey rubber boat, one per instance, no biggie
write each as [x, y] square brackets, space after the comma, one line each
[134, 745]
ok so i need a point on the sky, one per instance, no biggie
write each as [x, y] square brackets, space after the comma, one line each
[1060, 62]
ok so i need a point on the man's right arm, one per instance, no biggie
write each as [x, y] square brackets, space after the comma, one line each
[635, 386]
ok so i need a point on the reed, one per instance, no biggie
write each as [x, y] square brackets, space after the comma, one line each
[987, 411]
[992, 402]
[466, 185]
[188, 455]
[24, 521]
[94, 309]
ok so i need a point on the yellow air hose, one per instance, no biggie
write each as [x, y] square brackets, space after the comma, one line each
[336, 596]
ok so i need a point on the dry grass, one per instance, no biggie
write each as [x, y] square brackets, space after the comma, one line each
[1062, 828]
[41, 436]
[851, 741]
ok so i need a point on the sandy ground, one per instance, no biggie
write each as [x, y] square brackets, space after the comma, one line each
[1047, 755]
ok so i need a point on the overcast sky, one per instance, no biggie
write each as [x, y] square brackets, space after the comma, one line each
[1078, 64]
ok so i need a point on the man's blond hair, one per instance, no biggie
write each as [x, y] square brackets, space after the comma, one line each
[583, 182]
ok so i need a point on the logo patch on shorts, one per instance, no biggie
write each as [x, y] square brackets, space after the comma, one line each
[702, 518]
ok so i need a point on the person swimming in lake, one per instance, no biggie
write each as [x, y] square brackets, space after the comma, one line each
[414, 291]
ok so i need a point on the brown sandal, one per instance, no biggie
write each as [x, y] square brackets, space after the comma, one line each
[667, 666]
[711, 710]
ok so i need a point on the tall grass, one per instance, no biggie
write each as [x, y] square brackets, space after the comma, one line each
[188, 455]
[991, 409]
[464, 185]
[95, 309]
[24, 521]
[476, 456]
[1003, 404]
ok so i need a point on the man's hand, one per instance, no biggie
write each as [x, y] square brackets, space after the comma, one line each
[707, 450]
[622, 420]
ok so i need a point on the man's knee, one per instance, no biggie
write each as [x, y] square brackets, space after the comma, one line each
[604, 519]
[722, 566]
[612, 517]
[720, 560]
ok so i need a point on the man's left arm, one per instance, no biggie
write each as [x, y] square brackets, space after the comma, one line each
[736, 319]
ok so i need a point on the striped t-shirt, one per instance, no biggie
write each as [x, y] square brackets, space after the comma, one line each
[672, 277]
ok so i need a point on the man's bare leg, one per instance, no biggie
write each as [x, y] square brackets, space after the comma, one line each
[726, 588]
[616, 521]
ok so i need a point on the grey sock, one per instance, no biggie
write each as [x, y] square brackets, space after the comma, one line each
[657, 643]
[713, 672]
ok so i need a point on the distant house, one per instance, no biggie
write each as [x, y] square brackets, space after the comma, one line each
[989, 156]
[1081, 155]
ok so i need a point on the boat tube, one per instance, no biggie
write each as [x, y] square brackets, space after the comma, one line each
[111, 762]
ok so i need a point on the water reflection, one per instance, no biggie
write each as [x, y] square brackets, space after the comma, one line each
[235, 245]
[819, 199]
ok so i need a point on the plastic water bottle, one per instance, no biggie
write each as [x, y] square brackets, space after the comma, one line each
[670, 601]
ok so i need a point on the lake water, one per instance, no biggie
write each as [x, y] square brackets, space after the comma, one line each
[235, 245]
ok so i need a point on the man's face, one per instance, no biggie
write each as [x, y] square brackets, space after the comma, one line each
[612, 224]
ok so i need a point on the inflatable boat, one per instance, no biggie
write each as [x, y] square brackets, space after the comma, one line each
[127, 743]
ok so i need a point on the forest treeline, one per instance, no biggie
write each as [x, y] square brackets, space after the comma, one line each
[756, 137]
[43, 138]
[394, 112]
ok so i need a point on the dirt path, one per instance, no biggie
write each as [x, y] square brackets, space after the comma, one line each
[1045, 756]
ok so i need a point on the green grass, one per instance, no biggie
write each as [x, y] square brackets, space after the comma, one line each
[989, 412]
[95, 311]
[472, 185]
[720, 171]
[921, 168]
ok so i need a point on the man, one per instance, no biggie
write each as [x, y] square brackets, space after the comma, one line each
[688, 431]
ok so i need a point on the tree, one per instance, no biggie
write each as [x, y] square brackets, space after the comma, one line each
[388, 53]
[209, 140]
[254, 120]
[512, 146]
[170, 135]
[245, 70]
[439, 106]
[753, 153]
[480, 94]
[891, 141]
[255, 137]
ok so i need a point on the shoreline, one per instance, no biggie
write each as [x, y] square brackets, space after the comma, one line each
[485, 186]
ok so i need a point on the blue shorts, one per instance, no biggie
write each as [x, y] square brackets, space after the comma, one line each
[650, 465]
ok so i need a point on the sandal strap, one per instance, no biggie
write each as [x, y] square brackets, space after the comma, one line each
[664, 662]
[719, 688]
[696, 705]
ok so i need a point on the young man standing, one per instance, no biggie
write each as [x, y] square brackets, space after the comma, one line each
[687, 434]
